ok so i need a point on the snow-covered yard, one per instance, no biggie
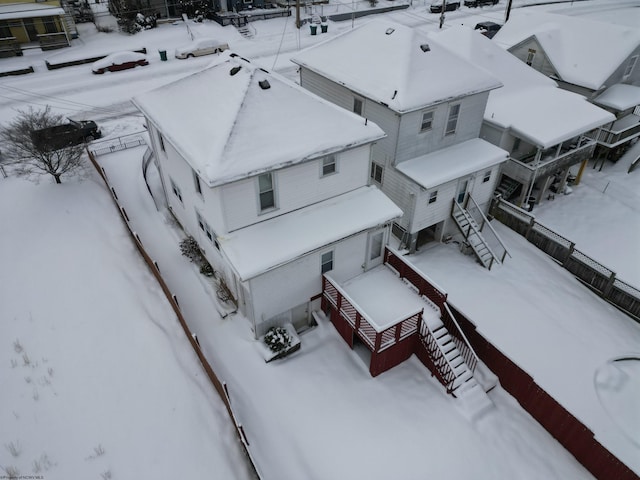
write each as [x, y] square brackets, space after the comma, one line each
[98, 379]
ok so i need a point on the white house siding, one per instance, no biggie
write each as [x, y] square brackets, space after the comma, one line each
[540, 62]
[429, 214]
[384, 150]
[617, 75]
[402, 191]
[295, 187]
[493, 134]
[276, 292]
[412, 143]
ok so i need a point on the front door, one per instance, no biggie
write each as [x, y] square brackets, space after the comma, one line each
[462, 191]
[375, 250]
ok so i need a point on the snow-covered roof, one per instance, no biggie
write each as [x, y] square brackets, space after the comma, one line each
[529, 104]
[233, 120]
[395, 65]
[619, 96]
[10, 11]
[266, 245]
[447, 164]
[583, 52]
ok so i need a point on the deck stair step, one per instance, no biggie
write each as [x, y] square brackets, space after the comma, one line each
[470, 229]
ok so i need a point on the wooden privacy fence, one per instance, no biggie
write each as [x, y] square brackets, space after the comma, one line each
[219, 386]
[596, 276]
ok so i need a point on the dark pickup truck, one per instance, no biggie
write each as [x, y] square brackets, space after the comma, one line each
[61, 136]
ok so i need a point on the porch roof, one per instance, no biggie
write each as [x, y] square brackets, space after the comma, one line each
[445, 165]
[10, 11]
[619, 96]
[385, 299]
[275, 242]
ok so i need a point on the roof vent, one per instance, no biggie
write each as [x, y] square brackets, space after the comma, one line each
[425, 47]
[390, 31]
[235, 70]
[264, 84]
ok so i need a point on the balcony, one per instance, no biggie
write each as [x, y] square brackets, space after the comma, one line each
[523, 167]
[622, 130]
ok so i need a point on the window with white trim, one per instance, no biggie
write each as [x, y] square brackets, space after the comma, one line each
[328, 165]
[377, 172]
[452, 121]
[433, 196]
[176, 190]
[487, 176]
[266, 192]
[630, 66]
[196, 182]
[427, 121]
[204, 226]
[326, 262]
[530, 56]
[357, 106]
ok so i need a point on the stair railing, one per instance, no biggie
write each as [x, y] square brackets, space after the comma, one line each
[441, 367]
[486, 222]
[472, 226]
[460, 339]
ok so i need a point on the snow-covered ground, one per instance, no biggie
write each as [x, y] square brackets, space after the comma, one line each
[93, 355]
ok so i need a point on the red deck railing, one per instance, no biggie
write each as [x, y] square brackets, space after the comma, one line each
[360, 322]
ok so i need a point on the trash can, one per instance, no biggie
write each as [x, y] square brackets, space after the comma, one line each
[323, 28]
[314, 29]
[163, 55]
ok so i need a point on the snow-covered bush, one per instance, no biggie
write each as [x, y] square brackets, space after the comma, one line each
[277, 339]
[190, 249]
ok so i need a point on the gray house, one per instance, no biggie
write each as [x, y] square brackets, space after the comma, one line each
[431, 104]
[596, 59]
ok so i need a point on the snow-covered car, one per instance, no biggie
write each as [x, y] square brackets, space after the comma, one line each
[201, 46]
[450, 5]
[119, 61]
[479, 3]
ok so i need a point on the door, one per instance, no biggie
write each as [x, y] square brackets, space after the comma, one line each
[375, 250]
[462, 191]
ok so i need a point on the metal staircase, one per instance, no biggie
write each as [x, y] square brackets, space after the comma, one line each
[507, 187]
[473, 235]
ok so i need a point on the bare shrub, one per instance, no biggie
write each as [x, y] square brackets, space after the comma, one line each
[14, 448]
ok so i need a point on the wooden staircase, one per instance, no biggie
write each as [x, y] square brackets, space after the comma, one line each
[507, 187]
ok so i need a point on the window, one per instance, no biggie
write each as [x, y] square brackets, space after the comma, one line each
[376, 246]
[196, 181]
[161, 140]
[376, 172]
[530, 54]
[427, 121]
[357, 106]
[49, 24]
[204, 226]
[452, 121]
[326, 262]
[176, 190]
[433, 196]
[266, 193]
[630, 66]
[329, 165]
[5, 31]
[487, 176]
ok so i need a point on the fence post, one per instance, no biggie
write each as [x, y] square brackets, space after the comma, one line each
[532, 222]
[571, 248]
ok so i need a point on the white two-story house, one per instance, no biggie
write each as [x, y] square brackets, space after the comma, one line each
[594, 58]
[545, 129]
[430, 103]
[273, 201]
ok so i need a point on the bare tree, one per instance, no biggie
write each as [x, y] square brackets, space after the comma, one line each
[29, 157]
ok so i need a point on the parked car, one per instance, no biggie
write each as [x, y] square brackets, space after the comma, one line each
[201, 46]
[61, 136]
[479, 3]
[119, 61]
[450, 5]
[488, 29]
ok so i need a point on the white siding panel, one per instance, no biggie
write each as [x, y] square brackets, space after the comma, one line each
[280, 290]
[295, 187]
[429, 214]
[540, 62]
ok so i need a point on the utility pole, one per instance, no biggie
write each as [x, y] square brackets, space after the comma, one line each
[444, 5]
[298, 14]
[508, 11]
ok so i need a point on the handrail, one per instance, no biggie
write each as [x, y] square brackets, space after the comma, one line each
[486, 222]
[447, 382]
[477, 231]
[466, 340]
